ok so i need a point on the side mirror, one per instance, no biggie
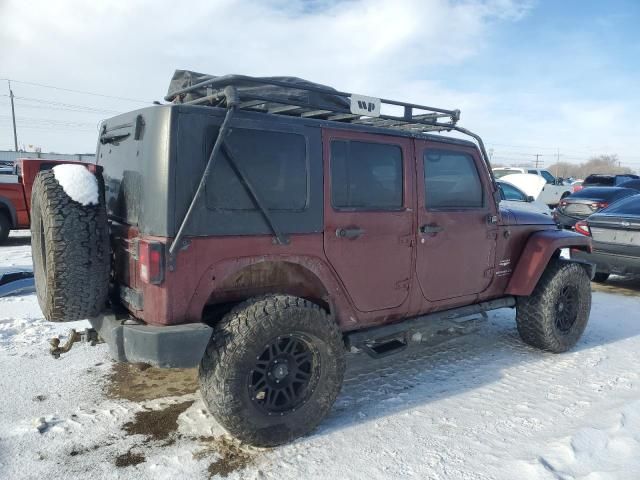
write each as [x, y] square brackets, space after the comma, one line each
[530, 199]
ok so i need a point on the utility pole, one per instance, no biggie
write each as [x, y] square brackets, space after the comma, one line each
[13, 117]
[538, 155]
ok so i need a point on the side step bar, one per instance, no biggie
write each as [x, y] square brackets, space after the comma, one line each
[388, 339]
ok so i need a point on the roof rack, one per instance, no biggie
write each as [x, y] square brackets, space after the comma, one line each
[306, 100]
[357, 109]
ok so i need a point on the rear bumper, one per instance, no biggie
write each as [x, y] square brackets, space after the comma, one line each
[174, 346]
[565, 221]
[609, 262]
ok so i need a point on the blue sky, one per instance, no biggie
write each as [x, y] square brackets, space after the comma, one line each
[529, 76]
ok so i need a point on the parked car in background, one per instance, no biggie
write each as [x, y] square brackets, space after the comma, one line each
[599, 180]
[6, 167]
[588, 201]
[514, 197]
[554, 189]
[616, 239]
[577, 185]
[635, 184]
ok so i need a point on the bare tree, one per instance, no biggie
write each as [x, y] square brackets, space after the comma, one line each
[604, 164]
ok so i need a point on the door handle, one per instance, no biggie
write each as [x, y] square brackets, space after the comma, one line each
[434, 229]
[354, 232]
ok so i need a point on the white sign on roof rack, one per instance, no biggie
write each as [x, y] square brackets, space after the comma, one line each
[367, 106]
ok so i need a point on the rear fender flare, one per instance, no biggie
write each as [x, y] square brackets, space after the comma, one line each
[222, 277]
[6, 204]
[539, 249]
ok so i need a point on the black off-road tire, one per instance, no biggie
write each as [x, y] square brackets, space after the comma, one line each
[71, 254]
[5, 227]
[238, 343]
[600, 277]
[546, 319]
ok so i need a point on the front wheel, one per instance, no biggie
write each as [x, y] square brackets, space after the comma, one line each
[272, 370]
[555, 315]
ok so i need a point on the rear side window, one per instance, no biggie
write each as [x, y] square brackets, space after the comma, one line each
[366, 176]
[547, 176]
[534, 172]
[451, 180]
[275, 164]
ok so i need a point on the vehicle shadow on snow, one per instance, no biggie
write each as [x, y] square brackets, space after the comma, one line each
[425, 373]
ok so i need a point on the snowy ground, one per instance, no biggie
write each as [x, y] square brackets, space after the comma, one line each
[479, 406]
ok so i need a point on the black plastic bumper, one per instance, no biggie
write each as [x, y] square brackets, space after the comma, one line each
[174, 346]
[608, 262]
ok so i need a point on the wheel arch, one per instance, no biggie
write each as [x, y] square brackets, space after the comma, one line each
[234, 281]
[540, 248]
[6, 207]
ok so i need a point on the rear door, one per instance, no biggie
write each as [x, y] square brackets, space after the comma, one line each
[369, 216]
[456, 221]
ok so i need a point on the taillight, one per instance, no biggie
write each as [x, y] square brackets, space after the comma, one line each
[599, 205]
[583, 228]
[151, 261]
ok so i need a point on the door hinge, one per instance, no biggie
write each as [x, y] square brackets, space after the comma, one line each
[408, 240]
[403, 285]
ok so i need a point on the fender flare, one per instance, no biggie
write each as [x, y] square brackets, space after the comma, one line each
[340, 307]
[539, 249]
[13, 216]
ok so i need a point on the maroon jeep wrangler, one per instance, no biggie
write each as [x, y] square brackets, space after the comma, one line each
[259, 227]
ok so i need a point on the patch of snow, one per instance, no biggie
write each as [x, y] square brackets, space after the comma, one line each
[481, 406]
[78, 182]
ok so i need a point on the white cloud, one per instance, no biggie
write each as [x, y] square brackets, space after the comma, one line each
[130, 48]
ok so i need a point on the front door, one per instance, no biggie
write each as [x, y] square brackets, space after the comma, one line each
[369, 216]
[457, 232]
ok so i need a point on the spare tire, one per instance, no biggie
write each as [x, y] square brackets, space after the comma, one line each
[71, 255]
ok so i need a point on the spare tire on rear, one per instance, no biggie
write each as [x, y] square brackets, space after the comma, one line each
[71, 255]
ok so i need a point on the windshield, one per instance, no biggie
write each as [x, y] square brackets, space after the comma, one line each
[628, 206]
[500, 172]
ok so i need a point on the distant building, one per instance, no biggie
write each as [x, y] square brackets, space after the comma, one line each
[10, 155]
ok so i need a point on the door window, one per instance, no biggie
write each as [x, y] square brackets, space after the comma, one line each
[451, 181]
[366, 176]
[510, 192]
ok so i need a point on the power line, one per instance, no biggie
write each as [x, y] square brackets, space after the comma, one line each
[136, 100]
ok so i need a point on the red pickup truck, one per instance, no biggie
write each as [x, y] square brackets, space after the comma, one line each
[15, 193]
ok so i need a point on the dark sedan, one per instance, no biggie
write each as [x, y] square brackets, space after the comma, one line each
[616, 239]
[588, 201]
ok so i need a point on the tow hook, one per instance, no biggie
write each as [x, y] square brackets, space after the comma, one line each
[89, 335]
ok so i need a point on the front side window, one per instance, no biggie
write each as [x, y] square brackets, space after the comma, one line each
[366, 176]
[510, 192]
[451, 180]
[275, 164]
[548, 177]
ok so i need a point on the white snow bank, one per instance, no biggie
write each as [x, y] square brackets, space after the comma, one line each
[78, 182]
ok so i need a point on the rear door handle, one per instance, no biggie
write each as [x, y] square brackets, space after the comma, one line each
[354, 232]
[431, 229]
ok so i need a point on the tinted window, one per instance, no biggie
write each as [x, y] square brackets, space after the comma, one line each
[534, 172]
[275, 164]
[628, 206]
[451, 180]
[601, 180]
[366, 176]
[509, 192]
[547, 176]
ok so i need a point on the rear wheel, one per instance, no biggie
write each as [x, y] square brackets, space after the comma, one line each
[272, 370]
[555, 315]
[601, 277]
[5, 227]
